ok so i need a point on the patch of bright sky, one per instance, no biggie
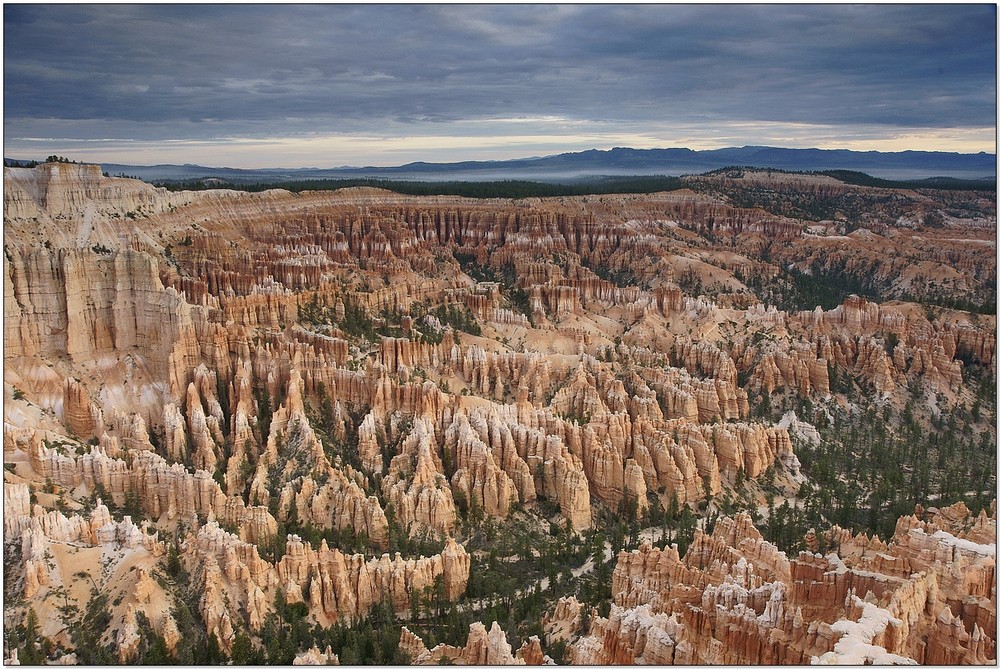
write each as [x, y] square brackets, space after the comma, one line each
[499, 139]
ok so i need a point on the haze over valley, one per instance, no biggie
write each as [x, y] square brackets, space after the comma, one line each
[575, 167]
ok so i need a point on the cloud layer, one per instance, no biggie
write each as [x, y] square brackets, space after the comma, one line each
[367, 84]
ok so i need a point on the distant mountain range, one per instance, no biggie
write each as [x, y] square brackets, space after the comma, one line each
[568, 167]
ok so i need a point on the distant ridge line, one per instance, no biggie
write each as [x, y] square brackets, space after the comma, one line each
[618, 161]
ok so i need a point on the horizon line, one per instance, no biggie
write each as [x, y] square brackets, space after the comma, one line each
[507, 160]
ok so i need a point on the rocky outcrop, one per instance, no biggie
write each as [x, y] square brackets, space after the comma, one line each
[36, 530]
[339, 503]
[417, 488]
[531, 653]
[564, 620]
[629, 636]
[483, 648]
[16, 506]
[163, 489]
[128, 637]
[334, 586]
[313, 657]
[884, 345]
[478, 477]
[76, 191]
[735, 599]
[117, 303]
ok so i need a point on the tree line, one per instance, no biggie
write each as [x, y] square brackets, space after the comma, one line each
[512, 189]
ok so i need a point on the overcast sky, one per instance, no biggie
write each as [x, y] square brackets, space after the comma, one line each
[330, 85]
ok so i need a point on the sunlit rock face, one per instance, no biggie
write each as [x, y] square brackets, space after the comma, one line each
[285, 385]
[928, 596]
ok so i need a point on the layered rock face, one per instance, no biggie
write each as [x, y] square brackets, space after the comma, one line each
[78, 192]
[289, 385]
[107, 314]
[928, 596]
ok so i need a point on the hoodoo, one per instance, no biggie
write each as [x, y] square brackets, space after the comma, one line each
[689, 427]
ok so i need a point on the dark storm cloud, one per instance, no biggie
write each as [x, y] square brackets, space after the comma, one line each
[183, 72]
